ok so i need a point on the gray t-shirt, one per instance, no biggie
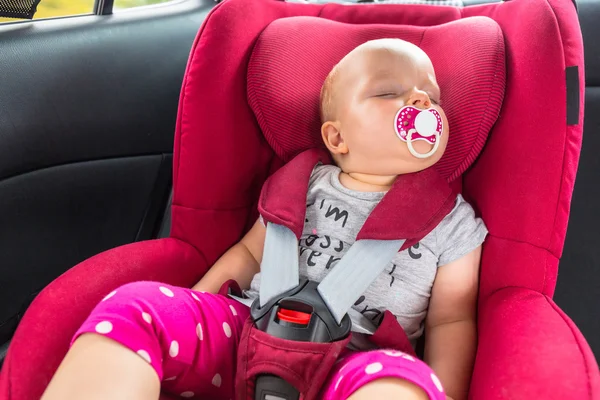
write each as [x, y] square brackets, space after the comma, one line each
[335, 215]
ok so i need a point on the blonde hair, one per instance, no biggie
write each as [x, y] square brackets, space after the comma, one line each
[327, 96]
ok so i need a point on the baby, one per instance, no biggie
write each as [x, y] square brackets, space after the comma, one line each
[146, 336]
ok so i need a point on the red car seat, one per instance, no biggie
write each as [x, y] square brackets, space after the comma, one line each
[521, 184]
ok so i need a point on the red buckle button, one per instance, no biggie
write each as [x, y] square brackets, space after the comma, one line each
[295, 317]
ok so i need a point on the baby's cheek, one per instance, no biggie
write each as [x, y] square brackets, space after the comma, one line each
[371, 142]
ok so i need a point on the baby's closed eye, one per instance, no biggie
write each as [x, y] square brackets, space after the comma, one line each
[387, 94]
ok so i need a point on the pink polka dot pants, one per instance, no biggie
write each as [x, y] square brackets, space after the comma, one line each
[191, 340]
[360, 368]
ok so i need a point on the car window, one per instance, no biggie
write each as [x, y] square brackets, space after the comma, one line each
[122, 4]
[63, 8]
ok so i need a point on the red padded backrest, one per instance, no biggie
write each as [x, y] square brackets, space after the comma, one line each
[521, 184]
[293, 56]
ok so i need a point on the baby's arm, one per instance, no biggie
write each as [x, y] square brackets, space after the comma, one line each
[240, 263]
[451, 328]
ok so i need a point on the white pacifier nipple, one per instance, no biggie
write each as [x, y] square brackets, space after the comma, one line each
[425, 123]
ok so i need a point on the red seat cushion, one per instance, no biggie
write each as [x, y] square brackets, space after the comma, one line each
[293, 56]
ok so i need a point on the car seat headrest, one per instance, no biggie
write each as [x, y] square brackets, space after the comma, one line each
[293, 56]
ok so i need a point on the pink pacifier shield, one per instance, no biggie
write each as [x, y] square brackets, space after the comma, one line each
[425, 124]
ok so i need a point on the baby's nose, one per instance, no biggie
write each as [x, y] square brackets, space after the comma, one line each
[419, 98]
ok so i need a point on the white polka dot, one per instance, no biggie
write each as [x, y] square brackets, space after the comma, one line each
[393, 353]
[174, 349]
[104, 327]
[227, 329]
[437, 382]
[217, 380]
[111, 294]
[195, 297]
[373, 368]
[187, 395]
[170, 379]
[166, 291]
[338, 383]
[233, 310]
[147, 317]
[199, 332]
[144, 354]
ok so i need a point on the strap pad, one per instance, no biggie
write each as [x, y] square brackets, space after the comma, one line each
[412, 208]
[305, 365]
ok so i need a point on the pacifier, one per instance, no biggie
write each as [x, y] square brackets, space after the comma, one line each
[412, 124]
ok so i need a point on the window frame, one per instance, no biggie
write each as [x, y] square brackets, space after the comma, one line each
[106, 7]
[100, 7]
[103, 7]
[145, 7]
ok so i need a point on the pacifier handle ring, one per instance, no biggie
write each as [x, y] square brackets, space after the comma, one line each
[422, 155]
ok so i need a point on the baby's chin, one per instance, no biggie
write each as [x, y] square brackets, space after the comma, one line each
[397, 162]
[407, 163]
[392, 167]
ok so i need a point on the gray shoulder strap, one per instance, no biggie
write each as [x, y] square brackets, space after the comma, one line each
[342, 286]
[279, 267]
[355, 272]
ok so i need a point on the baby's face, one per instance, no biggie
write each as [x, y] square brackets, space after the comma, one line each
[372, 83]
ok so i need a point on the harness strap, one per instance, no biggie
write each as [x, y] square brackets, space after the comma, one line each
[279, 266]
[357, 270]
[342, 286]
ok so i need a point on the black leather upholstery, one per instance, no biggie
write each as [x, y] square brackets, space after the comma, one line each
[87, 117]
[165, 224]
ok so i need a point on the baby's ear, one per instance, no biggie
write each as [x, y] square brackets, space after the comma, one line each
[332, 137]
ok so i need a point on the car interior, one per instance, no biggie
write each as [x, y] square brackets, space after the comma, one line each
[89, 109]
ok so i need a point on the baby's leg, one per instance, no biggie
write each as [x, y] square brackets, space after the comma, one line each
[92, 362]
[146, 335]
[382, 374]
[389, 388]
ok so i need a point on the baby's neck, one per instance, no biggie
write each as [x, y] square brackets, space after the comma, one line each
[366, 183]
